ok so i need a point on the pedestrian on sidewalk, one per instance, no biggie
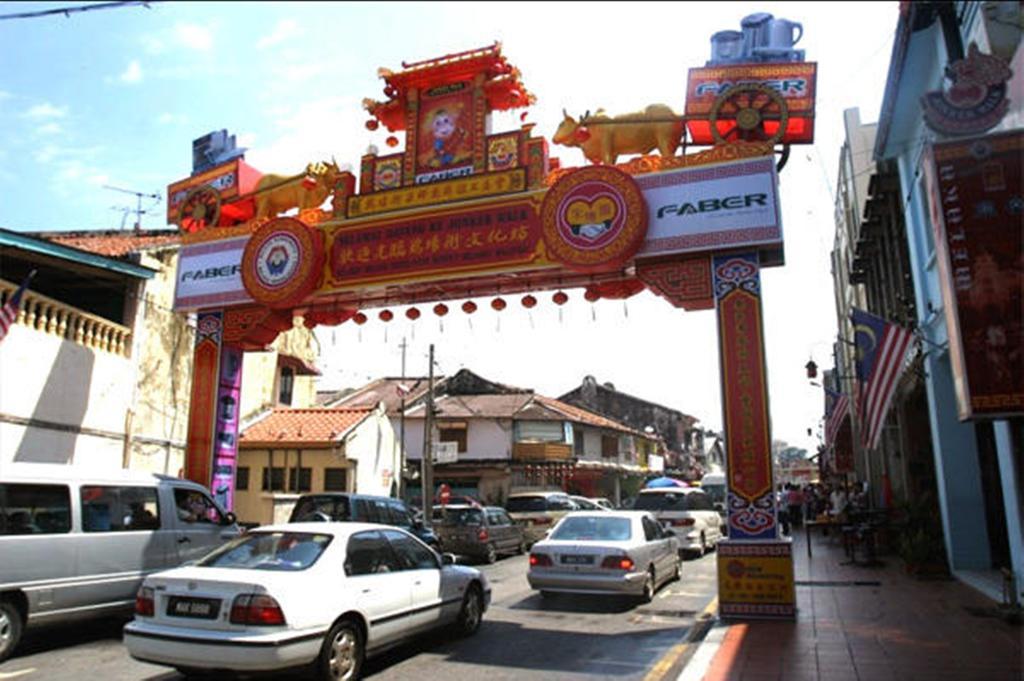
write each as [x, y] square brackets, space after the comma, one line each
[780, 504]
[795, 499]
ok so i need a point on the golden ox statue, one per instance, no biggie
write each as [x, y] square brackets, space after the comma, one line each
[603, 139]
[276, 194]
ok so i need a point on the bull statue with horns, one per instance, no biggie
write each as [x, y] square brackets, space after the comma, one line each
[276, 194]
[603, 138]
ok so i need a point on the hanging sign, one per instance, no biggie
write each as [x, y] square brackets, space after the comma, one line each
[975, 101]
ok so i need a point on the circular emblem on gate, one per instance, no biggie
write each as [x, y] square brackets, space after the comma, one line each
[282, 262]
[594, 219]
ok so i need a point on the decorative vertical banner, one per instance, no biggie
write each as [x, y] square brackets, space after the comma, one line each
[751, 501]
[202, 407]
[226, 440]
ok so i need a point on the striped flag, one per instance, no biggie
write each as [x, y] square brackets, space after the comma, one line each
[881, 351]
[837, 408]
[9, 312]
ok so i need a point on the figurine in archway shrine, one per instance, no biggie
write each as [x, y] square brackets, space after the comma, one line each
[603, 139]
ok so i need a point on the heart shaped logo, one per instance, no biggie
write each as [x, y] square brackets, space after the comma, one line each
[591, 219]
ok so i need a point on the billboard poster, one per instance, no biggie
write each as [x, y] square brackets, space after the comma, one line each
[225, 443]
[210, 274]
[755, 579]
[446, 133]
[977, 207]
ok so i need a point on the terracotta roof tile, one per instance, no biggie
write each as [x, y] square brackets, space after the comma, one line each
[579, 415]
[285, 426]
[114, 244]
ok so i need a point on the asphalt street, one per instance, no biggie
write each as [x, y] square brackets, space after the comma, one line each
[523, 637]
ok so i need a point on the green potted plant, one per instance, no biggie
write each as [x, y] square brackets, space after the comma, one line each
[920, 540]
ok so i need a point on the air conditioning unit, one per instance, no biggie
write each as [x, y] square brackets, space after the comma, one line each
[446, 452]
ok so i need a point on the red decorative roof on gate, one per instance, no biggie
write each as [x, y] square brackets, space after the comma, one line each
[502, 84]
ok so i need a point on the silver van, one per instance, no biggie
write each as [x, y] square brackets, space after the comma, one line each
[77, 543]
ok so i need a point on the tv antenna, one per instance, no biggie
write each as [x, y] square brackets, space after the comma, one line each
[138, 210]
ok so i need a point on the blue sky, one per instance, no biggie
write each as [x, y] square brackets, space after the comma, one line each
[117, 96]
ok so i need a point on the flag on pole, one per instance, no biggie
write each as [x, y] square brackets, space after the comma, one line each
[881, 351]
[9, 312]
[837, 407]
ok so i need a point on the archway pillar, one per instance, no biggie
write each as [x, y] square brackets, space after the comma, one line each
[755, 564]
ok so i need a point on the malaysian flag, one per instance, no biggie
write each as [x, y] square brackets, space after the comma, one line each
[881, 350]
[837, 407]
[9, 312]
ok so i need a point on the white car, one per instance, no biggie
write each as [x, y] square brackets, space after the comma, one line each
[686, 511]
[609, 552]
[320, 595]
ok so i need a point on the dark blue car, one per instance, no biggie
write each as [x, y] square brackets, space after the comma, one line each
[361, 508]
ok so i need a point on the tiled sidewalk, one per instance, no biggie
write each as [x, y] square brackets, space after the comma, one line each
[896, 629]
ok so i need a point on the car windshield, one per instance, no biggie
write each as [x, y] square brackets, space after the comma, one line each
[460, 516]
[285, 551]
[661, 501]
[526, 505]
[587, 528]
[586, 504]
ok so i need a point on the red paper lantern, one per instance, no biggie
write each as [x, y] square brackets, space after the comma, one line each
[522, 116]
[412, 313]
[529, 301]
[560, 298]
[359, 318]
[498, 304]
[469, 307]
[440, 309]
[372, 124]
[386, 315]
[592, 296]
[391, 141]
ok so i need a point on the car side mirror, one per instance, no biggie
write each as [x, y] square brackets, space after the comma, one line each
[447, 559]
[229, 519]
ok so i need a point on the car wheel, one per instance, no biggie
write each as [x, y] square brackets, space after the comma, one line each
[677, 573]
[341, 657]
[11, 627]
[546, 595]
[190, 673]
[703, 544]
[647, 595]
[472, 611]
[491, 554]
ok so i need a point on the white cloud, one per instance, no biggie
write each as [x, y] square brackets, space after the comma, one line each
[46, 110]
[153, 44]
[283, 30]
[168, 118]
[5, 95]
[49, 129]
[132, 74]
[194, 36]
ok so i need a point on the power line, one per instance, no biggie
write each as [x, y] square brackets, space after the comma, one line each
[68, 11]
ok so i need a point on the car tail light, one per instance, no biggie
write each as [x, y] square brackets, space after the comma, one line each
[144, 602]
[482, 535]
[618, 563]
[540, 560]
[256, 609]
[681, 522]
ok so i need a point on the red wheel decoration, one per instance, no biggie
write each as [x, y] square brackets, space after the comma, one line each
[469, 307]
[498, 304]
[560, 298]
[413, 313]
[200, 209]
[529, 301]
[440, 309]
[372, 124]
[359, 318]
[386, 315]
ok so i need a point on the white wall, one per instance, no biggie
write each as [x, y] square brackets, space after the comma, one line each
[50, 379]
[486, 440]
[373, 446]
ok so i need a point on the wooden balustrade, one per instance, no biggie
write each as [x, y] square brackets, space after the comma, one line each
[65, 321]
[541, 451]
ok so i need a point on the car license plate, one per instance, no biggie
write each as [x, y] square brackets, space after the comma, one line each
[202, 608]
[578, 560]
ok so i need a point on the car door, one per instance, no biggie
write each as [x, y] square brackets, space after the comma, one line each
[506, 529]
[424, 572]
[200, 526]
[657, 546]
[380, 585]
[704, 511]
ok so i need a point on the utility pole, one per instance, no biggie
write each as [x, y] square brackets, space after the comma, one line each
[427, 462]
[401, 428]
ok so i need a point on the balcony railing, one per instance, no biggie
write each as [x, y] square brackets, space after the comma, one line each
[541, 451]
[64, 321]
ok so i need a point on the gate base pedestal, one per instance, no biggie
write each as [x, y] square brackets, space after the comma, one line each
[755, 579]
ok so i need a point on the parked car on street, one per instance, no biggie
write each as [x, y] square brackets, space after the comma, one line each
[360, 508]
[585, 504]
[320, 595]
[76, 543]
[686, 511]
[608, 552]
[478, 531]
[538, 512]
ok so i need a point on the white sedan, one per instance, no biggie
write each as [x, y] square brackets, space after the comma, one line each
[617, 552]
[315, 595]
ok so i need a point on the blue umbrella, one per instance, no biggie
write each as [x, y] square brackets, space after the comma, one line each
[665, 482]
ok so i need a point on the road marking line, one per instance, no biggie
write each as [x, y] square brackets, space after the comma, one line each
[14, 675]
[672, 655]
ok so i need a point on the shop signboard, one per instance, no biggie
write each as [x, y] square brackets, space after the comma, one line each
[755, 579]
[727, 205]
[977, 213]
[210, 274]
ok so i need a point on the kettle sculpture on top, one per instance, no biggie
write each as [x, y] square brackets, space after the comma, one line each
[763, 38]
